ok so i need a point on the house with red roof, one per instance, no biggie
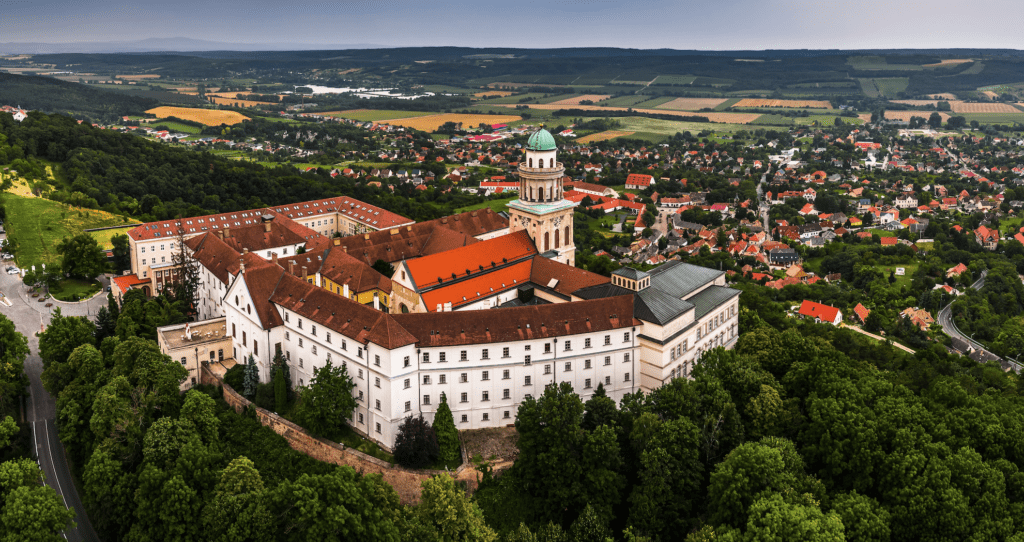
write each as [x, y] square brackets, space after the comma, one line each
[638, 181]
[956, 270]
[861, 312]
[821, 313]
[986, 237]
[889, 241]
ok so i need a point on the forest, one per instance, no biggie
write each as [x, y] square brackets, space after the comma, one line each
[55, 96]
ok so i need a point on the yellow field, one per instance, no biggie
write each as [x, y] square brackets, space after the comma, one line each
[916, 103]
[103, 237]
[905, 115]
[752, 102]
[604, 136]
[577, 99]
[209, 117]
[947, 62]
[501, 93]
[734, 118]
[137, 77]
[691, 104]
[236, 102]
[943, 96]
[431, 123]
[965, 107]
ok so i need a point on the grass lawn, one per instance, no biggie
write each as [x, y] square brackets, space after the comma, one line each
[670, 127]
[37, 225]
[374, 115]
[103, 236]
[177, 126]
[911, 268]
[882, 233]
[351, 439]
[497, 205]
[74, 289]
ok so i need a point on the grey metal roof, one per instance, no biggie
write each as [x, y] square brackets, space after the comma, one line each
[630, 273]
[677, 279]
[656, 307]
[710, 298]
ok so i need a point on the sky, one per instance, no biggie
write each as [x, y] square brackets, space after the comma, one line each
[650, 24]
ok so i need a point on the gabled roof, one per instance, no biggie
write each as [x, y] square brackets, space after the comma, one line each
[482, 286]
[816, 310]
[563, 279]
[438, 269]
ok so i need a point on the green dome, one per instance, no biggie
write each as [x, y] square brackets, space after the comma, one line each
[541, 140]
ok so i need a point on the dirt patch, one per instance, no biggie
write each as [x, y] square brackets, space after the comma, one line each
[575, 100]
[753, 102]
[494, 444]
[947, 62]
[692, 104]
[604, 136]
[905, 115]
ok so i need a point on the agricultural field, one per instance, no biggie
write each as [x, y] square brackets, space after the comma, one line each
[947, 62]
[604, 136]
[209, 117]
[137, 77]
[754, 102]
[975, 69]
[724, 106]
[917, 103]
[176, 126]
[905, 115]
[674, 79]
[878, 63]
[37, 225]
[969, 107]
[736, 118]
[655, 102]
[640, 125]
[995, 118]
[884, 86]
[575, 100]
[774, 120]
[827, 120]
[498, 93]
[374, 115]
[514, 98]
[432, 122]
[692, 104]
[233, 102]
[625, 101]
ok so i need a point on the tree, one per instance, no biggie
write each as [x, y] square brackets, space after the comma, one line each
[106, 324]
[956, 123]
[238, 509]
[280, 390]
[935, 120]
[81, 256]
[252, 378]
[446, 433]
[62, 336]
[13, 349]
[328, 401]
[416, 443]
[31, 511]
[122, 253]
[446, 514]
[187, 280]
[384, 268]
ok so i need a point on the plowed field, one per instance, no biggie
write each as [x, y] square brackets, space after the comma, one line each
[692, 104]
[604, 136]
[433, 122]
[575, 100]
[755, 102]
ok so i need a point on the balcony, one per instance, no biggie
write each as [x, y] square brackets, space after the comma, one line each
[558, 167]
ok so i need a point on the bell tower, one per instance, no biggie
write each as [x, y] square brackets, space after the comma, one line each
[541, 209]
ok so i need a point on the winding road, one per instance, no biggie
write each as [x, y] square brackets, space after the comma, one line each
[946, 321]
[29, 315]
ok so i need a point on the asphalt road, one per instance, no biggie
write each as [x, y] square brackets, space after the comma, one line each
[946, 319]
[28, 316]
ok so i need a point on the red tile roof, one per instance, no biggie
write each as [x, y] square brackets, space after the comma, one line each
[889, 241]
[639, 179]
[817, 310]
[479, 287]
[126, 282]
[569, 278]
[470, 259]
[862, 312]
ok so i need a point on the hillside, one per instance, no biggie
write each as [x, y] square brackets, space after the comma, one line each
[55, 96]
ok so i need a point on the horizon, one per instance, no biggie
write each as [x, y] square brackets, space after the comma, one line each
[743, 25]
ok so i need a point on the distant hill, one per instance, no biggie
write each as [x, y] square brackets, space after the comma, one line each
[152, 45]
[55, 96]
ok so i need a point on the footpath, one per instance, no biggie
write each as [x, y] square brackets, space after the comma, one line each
[876, 337]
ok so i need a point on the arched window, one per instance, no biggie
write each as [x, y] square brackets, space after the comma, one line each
[547, 246]
[530, 162]
[405, 310]
[556, 239]
[568, 236]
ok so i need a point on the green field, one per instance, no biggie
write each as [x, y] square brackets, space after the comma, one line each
[37, 225]
[374, 115]
[654, 102]
[670, 127]
[882, 233]
[176, 126]
[825, 120]
[727, 104]
[674, 79]
[774, 120]
[868, 87]
[498, 205]
[879, 63]
[993, 118]
[514, 99]
[103, 237]
[75, 289]
[910, 268]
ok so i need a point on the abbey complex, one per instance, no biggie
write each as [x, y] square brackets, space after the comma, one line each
[486, 308]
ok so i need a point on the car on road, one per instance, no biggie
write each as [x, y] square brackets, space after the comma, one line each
[13, 271]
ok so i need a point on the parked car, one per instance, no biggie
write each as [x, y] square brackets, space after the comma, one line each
[13, 271]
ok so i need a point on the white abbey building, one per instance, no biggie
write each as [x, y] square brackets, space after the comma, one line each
[485, 320]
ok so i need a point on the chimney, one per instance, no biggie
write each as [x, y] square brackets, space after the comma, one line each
[227, 232]
[273, 257]
[305, 273]
[376, 302]
[345, 249]
[266, 226]
[291, 267]
[220, 234]
[337, 242]
[241, 265]
[345, 290]
[245, 251]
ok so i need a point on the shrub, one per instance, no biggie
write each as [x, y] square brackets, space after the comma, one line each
[416, 443]
[447, 434]
[265, 396]
[234, 376]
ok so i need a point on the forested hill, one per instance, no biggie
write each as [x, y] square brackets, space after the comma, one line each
[124, 173]
[56, 96]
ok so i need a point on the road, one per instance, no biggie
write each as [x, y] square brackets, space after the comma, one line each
[946, 318]
[28, 316]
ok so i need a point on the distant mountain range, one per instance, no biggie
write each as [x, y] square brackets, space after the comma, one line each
[153, 45]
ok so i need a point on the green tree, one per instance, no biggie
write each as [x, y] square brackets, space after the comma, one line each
[13, 349]
[251, 379]
[449, 448]
[280, 390]
[416, 443]
[122, 253]
[863, 518]
[935, 120]
[62, 336]
[31, 511]
[239, 508]
[589, 527]
[446, 514]
[327, 402]
[384, 268]
[81, 256]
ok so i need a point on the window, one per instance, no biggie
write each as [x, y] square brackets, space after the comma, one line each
[328, 337]
[607, 340]
[376, 360]
[183, 360]
[464, 377]
[586, 343]
[625, 337]
[143, 250]
[625, 357]
[407, 383]
[626, 379]
[287, 336]
[464, 398]
[586, 364]
[504, 352]
[483, 354]
[300, 342]
[526, 382]
[443, 379]
[607, 360]
[243, 339]
[360, 418]
[527, 359]
[586, 383]
[408, 406]
[547, 348]
[426, 399]
[288, 355]
[406, 361]
[505, 374]
[463, 356]
[607, 381]
[568, 345]
[507, 415]
[300, 323]
[300, 362]
[285, 314]
[672, 354]
[378, 426]
[441, 357]
[426, 379]
[486, 416]
[360, 395]
[328, 357]
[313, 330]
[506, 394]
[344, 344]
[360, 373]
[465, 418]
[485, 396]
[376, 381]
[568, 366]
[683, 347]
[359, 352]
[426, 357]
[485, 375]
[547, 369]
[314, 349]
[376, 404]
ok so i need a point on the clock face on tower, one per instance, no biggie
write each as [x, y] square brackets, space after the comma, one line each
[524, 220]
[557, 221]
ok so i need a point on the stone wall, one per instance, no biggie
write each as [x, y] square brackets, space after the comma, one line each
[405, 481]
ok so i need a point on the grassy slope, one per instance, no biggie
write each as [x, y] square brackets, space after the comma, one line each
[37, 225]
